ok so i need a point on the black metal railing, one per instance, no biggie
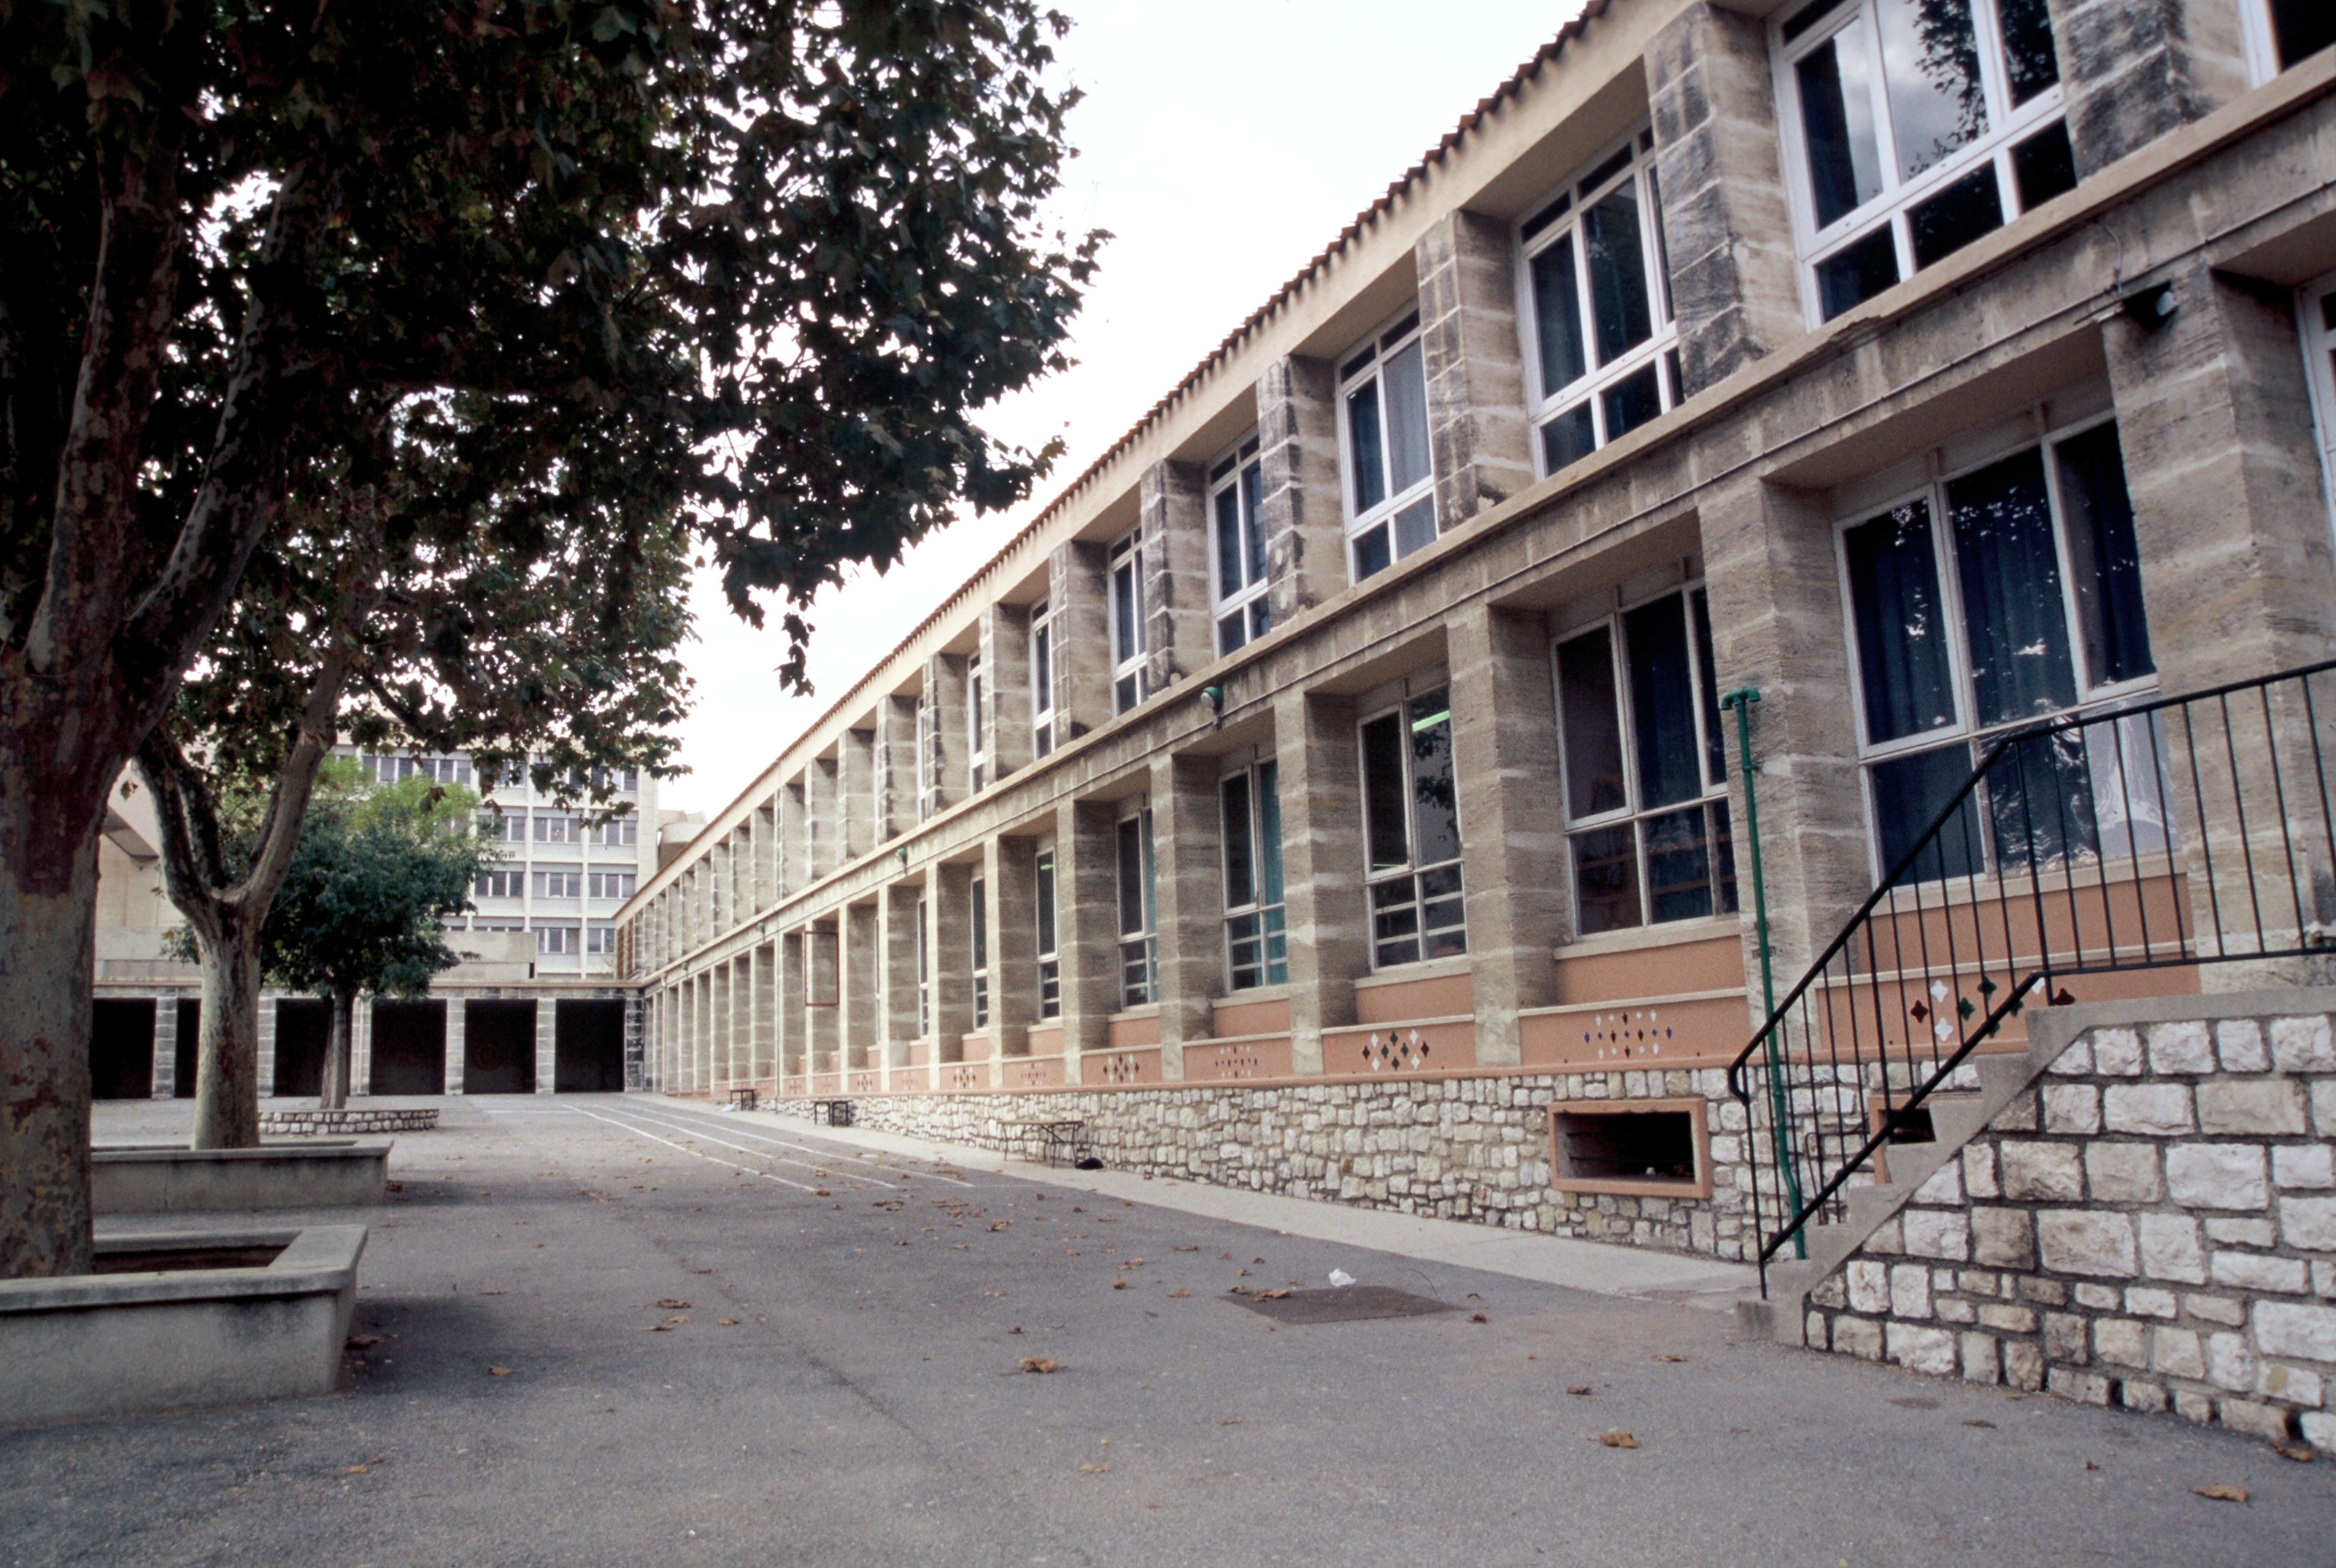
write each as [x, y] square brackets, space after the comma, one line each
[2149, 835]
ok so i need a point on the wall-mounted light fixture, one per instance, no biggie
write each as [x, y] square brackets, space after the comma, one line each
[2148, 307]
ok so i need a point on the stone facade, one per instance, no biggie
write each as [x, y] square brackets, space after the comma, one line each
[2153, 1225]
[366, 1120]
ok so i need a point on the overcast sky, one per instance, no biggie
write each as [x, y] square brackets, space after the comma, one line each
[1223, 142]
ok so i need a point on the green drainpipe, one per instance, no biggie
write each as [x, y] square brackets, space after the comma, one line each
[1741, 699]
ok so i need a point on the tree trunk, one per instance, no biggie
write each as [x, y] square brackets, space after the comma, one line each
[227, 1061]
[47, 967]
[335, 1096]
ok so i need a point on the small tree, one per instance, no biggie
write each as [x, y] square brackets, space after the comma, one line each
[365, 901]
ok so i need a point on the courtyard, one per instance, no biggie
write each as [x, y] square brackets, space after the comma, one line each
[618, 1329]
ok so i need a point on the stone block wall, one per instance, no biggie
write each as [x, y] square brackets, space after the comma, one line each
[2152, 1224]
[1473, 1148]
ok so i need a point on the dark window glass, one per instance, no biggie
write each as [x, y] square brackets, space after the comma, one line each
[1415, 527]
[1715, 749]
[1856, 273]
[1046, 902]
[1723, 856]
[981, 924]
[1241, 873]
[2102, 552]
[1593, 729]
[1363, 434]
[1545, 217]
[2044, 166]
[1568, 438]
[1618, 274]
[1614, 165]
[1371, 552]
[1678, 865]
[1631, 401]
[1261, 618]
[1404, 377]
[2014, 618]
[1231, 632]
[1662, 246]
[1901, 637]
[1606, 879]
[1252, 488]
[1131, 877]
[1837, 123]
[1663, 703]
[1230, 556]
[1042, 667]
[1435, 805]
[2302, 28]
[1930, 69]
[1909, 794]
[1122, 601]
[1809, 16]
[2028, 59]
[1557, 315]
[1956, 216]
[2039, 802]
[1269, 828]
[1390, 844]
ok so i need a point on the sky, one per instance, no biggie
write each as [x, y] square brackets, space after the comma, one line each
[1223, 149]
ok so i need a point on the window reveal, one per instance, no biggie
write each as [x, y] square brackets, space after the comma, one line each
[1411, 832]
[980, 922]
[1050, 969]
[1042, 680]
[1257, 945]
[1237, 490]
[1138, 945]
[1390, 500]
[1125, 570]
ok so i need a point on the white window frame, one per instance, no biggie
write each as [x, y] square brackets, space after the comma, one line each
[2315, 323]
[1634, 813]
[558, 828]
[1123, 622]
[1361, 368]
[2259, 41]
[616, 885]
[1243, 611]
[556, 938]
[1429, 883]
[600, 938]
[1255, 930]
[977, 947]
[560, 882]
[1898, 194]
[1047, 921]
[2038, 429]
[619, 831]
[501, 882]
[1139, 946]
[1626, 164]
[1042, 678]
[976, 735]
[924, 971]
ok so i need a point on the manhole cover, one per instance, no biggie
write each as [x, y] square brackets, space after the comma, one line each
[1350, 1305]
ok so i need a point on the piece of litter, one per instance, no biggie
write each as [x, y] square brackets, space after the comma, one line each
[498, 1371]
[1618, 1439]
[1670, 1358]
[726, 1322]
[2295, 1451]
[1976, 1421]
[1178, 1295]
[1037, 1364]
[2221, 1493]
[1094, 1469]
[999, 1224]
[1578, 1388]
[354, 1470]
[1341, 1278]
[1271, 1295]
[1478, 1318]
[1118, 1284]
[670, 1305]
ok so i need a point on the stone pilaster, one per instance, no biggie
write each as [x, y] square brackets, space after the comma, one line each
[2131, 70]
[1301, 509]
[1086, 938]
[1719, 162]
[863, 986]
[1081, 633]
[1188, 883]
[1009, 871]
[458, 1019]
[766, 822]
[1322, 866]
[1505, 762]
[948, 890]
[823, 819]
[896, 766]
[822, 976]
[1476, 428]
[897, 938]
[856, 786]
[1006, 687]
[766, 1011]
[794, 1030]
[547, 1043]
[793, 815]
[1180, 635]
[941, 732]
[361, 1050]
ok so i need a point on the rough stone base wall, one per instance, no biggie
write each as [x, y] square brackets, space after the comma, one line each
[1470, 1148]
[408, 1119]
[2152, 1225]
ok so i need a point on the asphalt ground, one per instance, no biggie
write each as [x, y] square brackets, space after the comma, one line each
[846, 1387]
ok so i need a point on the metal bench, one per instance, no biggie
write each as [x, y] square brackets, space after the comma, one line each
[830, 1113]
[1060, 1140]
[743, 1098]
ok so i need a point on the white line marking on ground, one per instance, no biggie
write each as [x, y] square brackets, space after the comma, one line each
[782, 1142]
[693, 1154]
[689, 1127]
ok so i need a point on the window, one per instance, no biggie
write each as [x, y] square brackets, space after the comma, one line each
[980, 926]
[1257, 948]
[504, 827]
[501, 884]
[1411, 833]
[562, 882]
[2282, 34]
[1042, 680]
[486, 925]
[610, 884]
[1138, 947]
[556, 939]
[599, 937]
[558, 828]
[2316, 314]
[1991, 596]
[1645, 768]
[1597, 296]
[976, 750]
[1915, 127]
[619, 833]
[1237, 542]
[1050, 968]
[1390, 499]
[1125, 571]
[924, 973]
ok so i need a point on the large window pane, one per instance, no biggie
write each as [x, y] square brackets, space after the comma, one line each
[1568, 438]
[1618, 274]
[1856, 273]
[1663, 703]
[1930, 64]
[1902, 637]
[1131, 877]
[1593, 729]
[1385, 826]
[1557, 315]
[1252, 490]
[1231, 556]
[1269, 828]
[2043, 166]
[1122, 604]
[1240, 876]
[1407, 415]
[2300, 28]
[1606, 879]
[1363, 435]
[2009, 569]
[1715, 749]
[2039, 800]
[1635, 400]
[1909, 794]
[2029, 58]
[2105, 558]
[1435, 806]
[1046, 902]
[1836, 92]
[1678, 866]
[1956, 216]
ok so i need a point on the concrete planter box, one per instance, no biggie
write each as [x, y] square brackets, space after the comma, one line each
[313, 1174]
[356, 1121]
[173, 1336]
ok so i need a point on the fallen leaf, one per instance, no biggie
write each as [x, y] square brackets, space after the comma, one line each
[670, 1305]
[958, 1247]
[1976, 1421]
[2221, 1493]
[363, 1341]
[1118, 1284]
[1037, 1364]
[1015, 1330]
[1222, 1256]
[823, 1192]
[1230, 1421]
[1670, 1358]
[1133, 1263]
[1178, 1295]
[498, 1371]
[999, 1224]
[660, 1328]
[2090, 1465]
[2295, 1451]
[1070, 1252]
[728, 1322]
[1578, 1388]
[1257, 1259]
[1188, 1248]
[354, 1470]
[1239, 1272]
[1618, 1439]
[1271, 1295]
[1478, 1318]
[676, 1320]
[1095, 1469]
[495, 1293]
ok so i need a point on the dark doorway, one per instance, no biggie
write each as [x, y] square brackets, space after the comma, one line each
[409, 1047]
[587, 1047]
[499, 1047]
[121, 1050]
[303, 1026]
[189, 1052]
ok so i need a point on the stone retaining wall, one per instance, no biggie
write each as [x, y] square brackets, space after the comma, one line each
[2152, 1225]
[1463, 1148]
[408, 1119]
